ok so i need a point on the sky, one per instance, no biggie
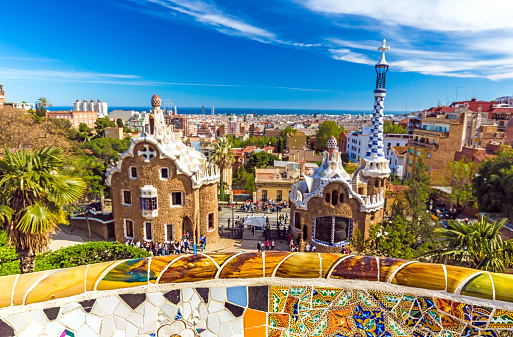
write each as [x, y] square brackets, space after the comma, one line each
[312, 54]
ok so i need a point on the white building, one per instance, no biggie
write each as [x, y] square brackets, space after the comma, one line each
[357, 143]
[398, 160]
[100, 107]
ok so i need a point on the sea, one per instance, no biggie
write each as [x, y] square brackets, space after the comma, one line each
[245, 111]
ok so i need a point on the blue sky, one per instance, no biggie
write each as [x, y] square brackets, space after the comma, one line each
[313, 54]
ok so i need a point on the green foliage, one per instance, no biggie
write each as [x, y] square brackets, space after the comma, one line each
[259, 160]
[119, 123]
[476, 245]
[253, 141]
[41, 105]
[390, 128]
[324, 133]
[389, 238]
[77, 255]
[244, 180]
[91, 170]
[222, 156]
[107, 148]
[459, 176]
[351, 167]
[493, 186]
[101, 123]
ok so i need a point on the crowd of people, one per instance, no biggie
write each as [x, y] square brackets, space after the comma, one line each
[269, 206]
[185, 246]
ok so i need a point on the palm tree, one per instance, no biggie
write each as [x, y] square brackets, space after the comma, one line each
[476, 245]
[222, 156]
[41, 104]
[32, 195]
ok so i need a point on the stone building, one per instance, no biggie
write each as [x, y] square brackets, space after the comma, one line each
[161, 188]
[329, 205]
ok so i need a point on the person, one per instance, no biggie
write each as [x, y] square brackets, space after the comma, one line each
[307, 247]
[258, 246]
[195, 248]
[313, 248]
[273, 244]
[229, 222]
[267, 244]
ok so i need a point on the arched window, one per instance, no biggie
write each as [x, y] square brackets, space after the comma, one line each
[341, 197]
[305, 233]
[327, 197]
[297, 220]
[334, 198]
[152, 125]
[331, 229]
[376, 183]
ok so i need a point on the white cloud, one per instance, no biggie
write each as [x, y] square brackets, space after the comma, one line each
[434, 15]
[350, 56]
[207, 13]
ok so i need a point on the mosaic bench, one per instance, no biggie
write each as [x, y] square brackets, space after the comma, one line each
[258, 294]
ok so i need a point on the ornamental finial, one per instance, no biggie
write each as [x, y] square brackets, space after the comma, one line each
[383, 49]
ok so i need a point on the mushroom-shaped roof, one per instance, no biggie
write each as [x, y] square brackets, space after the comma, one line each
[155, 101]
[332, 143]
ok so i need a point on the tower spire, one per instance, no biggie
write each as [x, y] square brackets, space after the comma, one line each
[382, 66]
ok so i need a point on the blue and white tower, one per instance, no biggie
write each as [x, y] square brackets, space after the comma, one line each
[374, 164]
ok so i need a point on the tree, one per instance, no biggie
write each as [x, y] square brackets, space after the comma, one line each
[107, 148]
[391, 128]
[101, 123]
[493, 186]
[324, 133]
[33, 193]
[459, 176]
[120, 123]
[389, 238]
[259, 160]
[476, 245]
[41, 104]
[222, 156]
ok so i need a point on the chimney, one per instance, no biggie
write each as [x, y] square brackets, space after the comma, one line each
[1, 88]
[479, 108]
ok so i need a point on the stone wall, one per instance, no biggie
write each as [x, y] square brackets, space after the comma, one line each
[196, 202]
[258, 294]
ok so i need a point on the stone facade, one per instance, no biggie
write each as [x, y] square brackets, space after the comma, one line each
[170, 187]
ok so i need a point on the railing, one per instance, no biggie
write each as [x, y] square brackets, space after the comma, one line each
[231, 233]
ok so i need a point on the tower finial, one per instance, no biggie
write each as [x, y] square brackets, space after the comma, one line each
[382, 66]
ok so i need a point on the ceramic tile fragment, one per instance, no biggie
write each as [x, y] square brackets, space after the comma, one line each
[131, 330]
[213, 323]
[94, 322]
[203, 293]
[195, 301]
[203, 311]
[130, 273]
[94, 273]
[150, 313]
[17, 321]
[237, 295]
[108, 326]
[37, 316]
[73, 319]
[247, 265]
[133, 300]
[69, 307]
[135, 319]
[33, 329]
[479, 286]
[215, 306]
[225, 316]
[97, 310]
[225, 330]
[190, 268]
[6, 293]
[187, 294]
[173, 296]
[237, 326]
[120, 323]
[357, 267]
[122, 310]
[59, 284]
[51, 313]
[85, 331]
[300, 265]
[109, 304]
[169, 310]
[148, 328]
[87, 305]
[236, 310]
[218, 294]
[258, 297]
[52, 329]
[25, 282]
[156, 298]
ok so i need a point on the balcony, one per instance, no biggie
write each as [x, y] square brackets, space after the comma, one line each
[150, 214]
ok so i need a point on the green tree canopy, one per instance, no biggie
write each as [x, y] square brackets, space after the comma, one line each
[41, 104]
[107, 148]
[324, 133]
[222, 156]
[459, 176]
[493, 186]
[391, 128]
[259, 160]
[476, 245]
[101, 123]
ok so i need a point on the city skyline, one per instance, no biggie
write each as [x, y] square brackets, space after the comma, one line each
[311, 54]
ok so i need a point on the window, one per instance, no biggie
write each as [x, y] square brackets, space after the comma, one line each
[409, 174]
[334, 198]
[331, 229]
[148, 204]
[128, 227]
[341, 197]
[133, 172]
[428, 154]
[427, 168]
[327, 197]
[264, 195]
[409, 163]
[170, 232]
[372, 216]
[376, 183]
[297, 220]
[176, 199]
[418, 153]
[278, 195]
[164, 173]
[411, 151]
[148, 235]
[126, 197]
[211, 221]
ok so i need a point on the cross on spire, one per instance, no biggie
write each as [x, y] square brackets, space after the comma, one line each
[383, 49]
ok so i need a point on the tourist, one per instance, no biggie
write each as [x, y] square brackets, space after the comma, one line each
[313, 248]
[307, 247]
[267, 244]
[273, 244]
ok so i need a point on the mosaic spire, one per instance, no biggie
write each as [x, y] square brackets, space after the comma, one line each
[375, 145]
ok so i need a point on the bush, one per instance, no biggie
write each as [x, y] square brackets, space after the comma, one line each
[82, 254]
